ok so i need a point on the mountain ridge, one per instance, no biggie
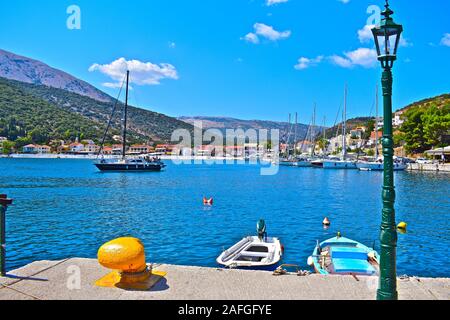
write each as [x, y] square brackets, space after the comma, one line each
[28, 70]
[70, 94]
[223, 123]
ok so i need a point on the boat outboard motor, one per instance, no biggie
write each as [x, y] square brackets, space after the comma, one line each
[261, 229]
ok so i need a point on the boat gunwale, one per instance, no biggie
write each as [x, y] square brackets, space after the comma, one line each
[271, 255]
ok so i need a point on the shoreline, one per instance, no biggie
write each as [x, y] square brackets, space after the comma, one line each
[165, 157]
[414, 167]
[194, 283]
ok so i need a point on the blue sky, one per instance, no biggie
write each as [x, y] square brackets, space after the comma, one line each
[235, 58]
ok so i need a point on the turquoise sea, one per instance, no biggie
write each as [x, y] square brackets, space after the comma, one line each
[66, 208]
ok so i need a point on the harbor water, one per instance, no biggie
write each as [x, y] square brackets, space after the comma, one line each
[66, 208]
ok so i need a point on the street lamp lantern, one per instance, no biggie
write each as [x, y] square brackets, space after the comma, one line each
[387, 38]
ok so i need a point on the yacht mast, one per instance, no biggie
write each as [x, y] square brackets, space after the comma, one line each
[376, 126]
[344, 138]
[125, 119]
[324, 135]
[313, 131]
[295, 134]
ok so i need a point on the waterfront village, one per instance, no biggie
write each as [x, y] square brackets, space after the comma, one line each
[358, 141]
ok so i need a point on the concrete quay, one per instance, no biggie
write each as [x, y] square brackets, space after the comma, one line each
[429, 167]
[73, 279]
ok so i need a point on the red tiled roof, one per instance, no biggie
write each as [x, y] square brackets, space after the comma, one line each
[373, 135]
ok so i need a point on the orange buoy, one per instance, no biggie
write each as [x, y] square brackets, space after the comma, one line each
[326, 222]
[208, 202]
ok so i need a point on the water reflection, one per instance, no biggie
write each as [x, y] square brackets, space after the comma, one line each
[65, 208]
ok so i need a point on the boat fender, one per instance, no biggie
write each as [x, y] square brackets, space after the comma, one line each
[372, 256]
[402, 226]
[282, 249]
[310, 261]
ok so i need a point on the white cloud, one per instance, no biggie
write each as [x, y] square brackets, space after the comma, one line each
[172, 45]
[405, 42]
[142, 73]
[363, 57]
[446, 40]
[344, 1]
[340, 61]
[365, 34]
[267, 32]
[251, 37]
[305, 63]
[270, 33]
[273, 2]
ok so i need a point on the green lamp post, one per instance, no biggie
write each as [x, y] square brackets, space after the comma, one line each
[387, 39]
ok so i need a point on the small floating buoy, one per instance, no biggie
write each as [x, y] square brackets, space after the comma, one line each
[402, 226]
[126, 256]
[326, 222]
[208, 202]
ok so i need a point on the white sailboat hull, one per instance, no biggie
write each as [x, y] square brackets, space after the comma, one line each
[298, 164]
[349, 165]
[377, 166]
[304, 164]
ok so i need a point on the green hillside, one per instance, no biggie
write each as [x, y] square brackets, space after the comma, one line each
[351, 125]
[147, 124]
[51, 113]
[427, 125]
[27, 119]
[439, 101]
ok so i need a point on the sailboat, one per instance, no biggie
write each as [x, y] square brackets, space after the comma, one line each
[126, 164]
[289, 160]
[292, 160]
[378, 163]
[342, 163]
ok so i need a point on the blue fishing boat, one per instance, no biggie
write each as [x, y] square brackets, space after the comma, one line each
[344, 256]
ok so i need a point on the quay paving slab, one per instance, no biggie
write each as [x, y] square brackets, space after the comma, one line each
[27, 272]
[47, 280]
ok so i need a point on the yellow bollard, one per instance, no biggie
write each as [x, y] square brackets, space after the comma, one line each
[126, 256]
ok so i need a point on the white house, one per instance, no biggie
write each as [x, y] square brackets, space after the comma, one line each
[91, 148]
[397, 120]
[35, 148]
[76, 147]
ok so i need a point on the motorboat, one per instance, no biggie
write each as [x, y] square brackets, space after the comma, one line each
[344, 256]
[254, 252]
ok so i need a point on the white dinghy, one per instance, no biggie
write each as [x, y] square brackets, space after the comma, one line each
[255, 253]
